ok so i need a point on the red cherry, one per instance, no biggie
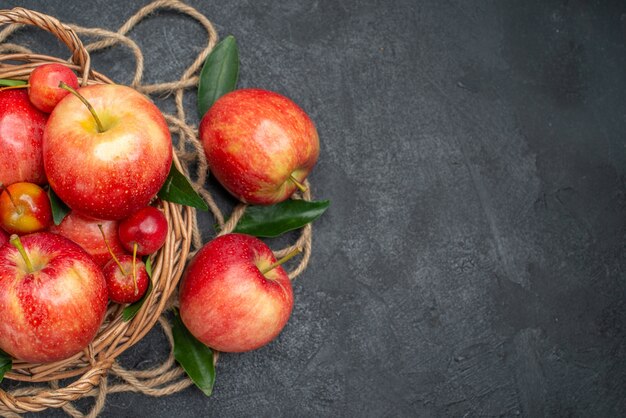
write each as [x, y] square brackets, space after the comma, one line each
[43, 85]
[124, 287]
[146, 229]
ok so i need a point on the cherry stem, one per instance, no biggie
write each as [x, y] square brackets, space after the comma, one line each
[283, 260]
[299, 185]
[89, 106]
[111, 251]
[21, 86]
[19, 210]
[17, 243]
[134, 269]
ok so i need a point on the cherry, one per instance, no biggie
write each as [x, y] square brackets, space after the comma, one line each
[144, 232]
[43, 85]
[127, 279]
[24, 208]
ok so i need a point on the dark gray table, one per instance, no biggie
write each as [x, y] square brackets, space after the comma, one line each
[472, 262]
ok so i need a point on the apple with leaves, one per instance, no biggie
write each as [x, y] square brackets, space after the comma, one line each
[107, 153]
[234, 295]
[21, 133]
[53, 298]
[260, 145]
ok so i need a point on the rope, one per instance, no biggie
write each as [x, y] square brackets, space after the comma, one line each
[166, 378]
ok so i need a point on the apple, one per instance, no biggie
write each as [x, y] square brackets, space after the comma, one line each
[85, 232]
[53, 298]
[127, 281]
[234, 296]
[259, 145]
[43, 85]
[4, 237]
[143, 232]
[21, 133]
[109, 167]
[24, 208]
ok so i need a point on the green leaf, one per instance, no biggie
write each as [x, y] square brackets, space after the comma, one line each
[274, 220]
[10, 83]
[178, 189]
[59, 209]
[195, 357]
[131, 310]
[219, 74]
[148, 262]
[6, 363]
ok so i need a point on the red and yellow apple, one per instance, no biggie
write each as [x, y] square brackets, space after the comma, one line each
[227, 301]
[107, 172]
[53, 298]
[21, 133]
[259, 145]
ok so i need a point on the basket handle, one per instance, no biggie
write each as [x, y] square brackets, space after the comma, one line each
[80, 56]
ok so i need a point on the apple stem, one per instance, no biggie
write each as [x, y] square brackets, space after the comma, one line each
[21, 86]
[283, 260]
[89, 106]
[17, 243]
[110, 250]
[134, 268]
[299, 185]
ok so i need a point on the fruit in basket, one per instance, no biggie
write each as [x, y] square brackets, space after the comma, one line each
[24, 208]
[146, 229]
[21, 133]
[43, 85]
[110, 169]
[127, 281]
[232, 296]
[259, 144]
[85, 232]
[53, 298]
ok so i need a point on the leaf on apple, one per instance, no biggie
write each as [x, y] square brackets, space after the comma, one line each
[59, 209]
[6, 363]
[194, 357]
[11, 83]
[131, 310]
[219, 74]
[178, 189]
[272, 221]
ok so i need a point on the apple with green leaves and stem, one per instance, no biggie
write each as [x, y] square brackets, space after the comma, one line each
[107, 151]
[85, 232]
[24, 208]
[235, 296]
[53, 298]
[259, 144]
[21, 133]
[43, 85]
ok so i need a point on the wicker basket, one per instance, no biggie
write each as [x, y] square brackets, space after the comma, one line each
[115, 336]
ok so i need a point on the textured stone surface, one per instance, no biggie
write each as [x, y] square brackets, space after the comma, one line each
[472, 261]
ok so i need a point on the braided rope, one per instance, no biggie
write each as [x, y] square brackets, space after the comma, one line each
[100, 373]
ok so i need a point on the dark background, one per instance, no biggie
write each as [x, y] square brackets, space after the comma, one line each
[472, 261]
